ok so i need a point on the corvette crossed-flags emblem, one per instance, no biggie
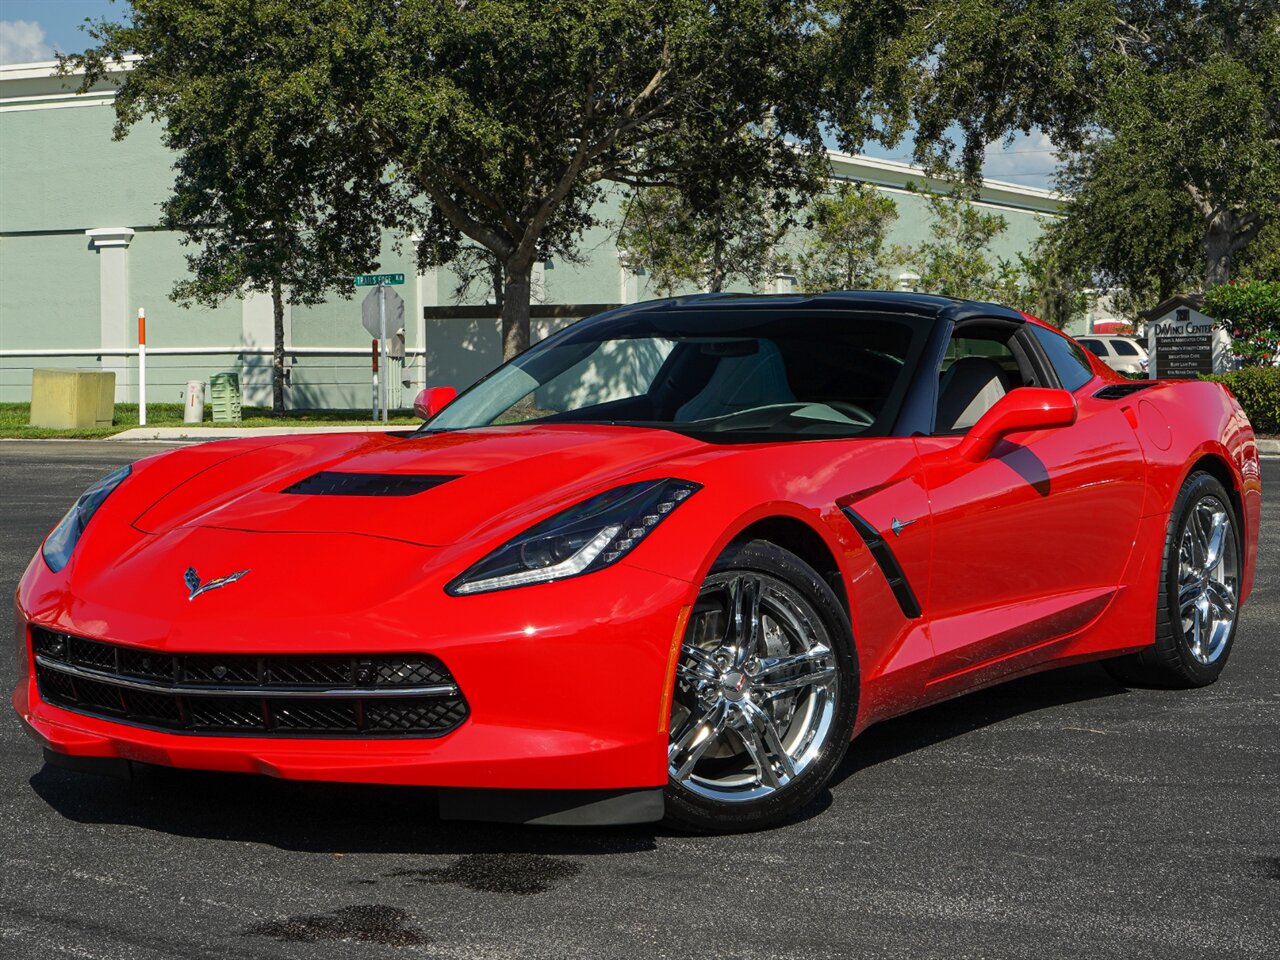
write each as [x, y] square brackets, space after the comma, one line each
[192, 580]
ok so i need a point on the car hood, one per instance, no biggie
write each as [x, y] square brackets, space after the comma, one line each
[474, 481]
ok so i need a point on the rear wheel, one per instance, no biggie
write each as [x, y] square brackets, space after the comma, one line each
[1198, 605]
[766, 693]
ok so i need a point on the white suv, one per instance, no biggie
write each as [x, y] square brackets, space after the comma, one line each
[1123, 354]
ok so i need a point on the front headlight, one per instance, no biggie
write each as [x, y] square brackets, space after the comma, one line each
[59, 544]
[586, 537]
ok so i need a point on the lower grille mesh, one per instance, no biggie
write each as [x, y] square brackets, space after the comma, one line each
[275, 695]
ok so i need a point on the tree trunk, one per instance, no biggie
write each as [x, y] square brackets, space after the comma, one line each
[715, 283]
[277, 355]
[515, 309]
[1218, 249]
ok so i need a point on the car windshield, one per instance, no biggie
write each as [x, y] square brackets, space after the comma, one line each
[722, 374]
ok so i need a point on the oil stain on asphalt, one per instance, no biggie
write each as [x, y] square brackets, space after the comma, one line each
[518, 873]
[362, 924]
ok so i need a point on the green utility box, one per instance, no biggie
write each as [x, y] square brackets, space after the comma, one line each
[66, 399]
[224, 395]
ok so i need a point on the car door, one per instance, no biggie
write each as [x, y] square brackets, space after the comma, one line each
[1031, 542]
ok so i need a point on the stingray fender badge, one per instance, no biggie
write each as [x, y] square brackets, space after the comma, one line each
[192, 580]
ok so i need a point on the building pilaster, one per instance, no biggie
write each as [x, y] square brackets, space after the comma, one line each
[112, 247]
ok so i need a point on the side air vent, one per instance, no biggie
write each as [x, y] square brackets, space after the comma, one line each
[1118, 391]
[331, 483]
[887, 562]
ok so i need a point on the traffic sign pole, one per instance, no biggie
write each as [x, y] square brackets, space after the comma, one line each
[382, 341]
[373, 364]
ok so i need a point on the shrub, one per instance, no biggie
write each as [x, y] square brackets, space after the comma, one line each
[1258, 390]
[1250, 312]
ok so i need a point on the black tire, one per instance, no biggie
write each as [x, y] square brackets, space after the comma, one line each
[690, 811]
[1170, 662]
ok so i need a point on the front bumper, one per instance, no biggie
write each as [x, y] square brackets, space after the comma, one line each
[566, 682]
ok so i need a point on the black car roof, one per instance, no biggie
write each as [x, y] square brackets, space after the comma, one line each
[887, 301]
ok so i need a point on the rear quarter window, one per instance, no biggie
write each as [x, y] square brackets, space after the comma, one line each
[1069, 361]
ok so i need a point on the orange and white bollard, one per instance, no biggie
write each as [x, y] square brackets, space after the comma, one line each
[142, 367]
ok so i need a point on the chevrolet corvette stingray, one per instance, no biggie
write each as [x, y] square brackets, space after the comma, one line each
[668, 562]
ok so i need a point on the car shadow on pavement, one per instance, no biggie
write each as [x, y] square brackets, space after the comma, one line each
[361, 818]
[305, 816]
[973, 711]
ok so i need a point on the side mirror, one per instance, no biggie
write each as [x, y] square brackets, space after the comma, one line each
[432, 400]
[1026, 408]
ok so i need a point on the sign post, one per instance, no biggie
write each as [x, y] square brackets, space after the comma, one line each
[373, 365]
[374, 310]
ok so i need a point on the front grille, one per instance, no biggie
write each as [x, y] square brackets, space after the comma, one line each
[274, 695]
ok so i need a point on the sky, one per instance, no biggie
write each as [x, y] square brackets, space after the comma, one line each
[36, 29]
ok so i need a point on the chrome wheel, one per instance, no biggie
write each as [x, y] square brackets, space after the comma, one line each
[757, 688]
[1208, 579]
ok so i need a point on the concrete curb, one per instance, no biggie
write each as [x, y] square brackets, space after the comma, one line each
[228, 433]
[1268, 446]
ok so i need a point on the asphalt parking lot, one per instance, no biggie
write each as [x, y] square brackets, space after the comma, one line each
[1058, 816]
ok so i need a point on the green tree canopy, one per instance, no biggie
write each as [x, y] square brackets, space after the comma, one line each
[270, 200]
[493, 123]
[842, 248]
[1180, 171]
[955, 261]
[729, 239]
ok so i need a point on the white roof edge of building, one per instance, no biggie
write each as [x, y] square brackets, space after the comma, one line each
[899, 169]
[48, 69]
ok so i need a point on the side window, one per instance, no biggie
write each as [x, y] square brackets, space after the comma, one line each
[1095, 347]
[1124, 348]
[1069, 361]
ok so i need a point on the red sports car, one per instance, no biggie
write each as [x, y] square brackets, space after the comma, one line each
[667, 562]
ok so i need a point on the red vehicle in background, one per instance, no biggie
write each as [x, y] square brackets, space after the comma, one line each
[670, 561]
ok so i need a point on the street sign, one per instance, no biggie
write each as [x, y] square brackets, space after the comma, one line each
[382, 313]
[378, 280]
[371, 312]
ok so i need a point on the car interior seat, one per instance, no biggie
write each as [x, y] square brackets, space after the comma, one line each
[969, 388]
[740, 383]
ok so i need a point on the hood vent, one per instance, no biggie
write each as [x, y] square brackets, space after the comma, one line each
[1118, 391]
[331, 483]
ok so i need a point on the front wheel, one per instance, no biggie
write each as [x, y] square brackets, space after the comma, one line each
[1198, 605]
[765, 696]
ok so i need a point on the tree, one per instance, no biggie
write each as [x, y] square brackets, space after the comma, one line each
[1044, 285]
[842, 248]
[1139, 236]
[258, 222]
[734, 239]
[1180, 170]
[1175, 103]
[955, 261]
[271, 202]
[497, 123]
[1201, 108]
